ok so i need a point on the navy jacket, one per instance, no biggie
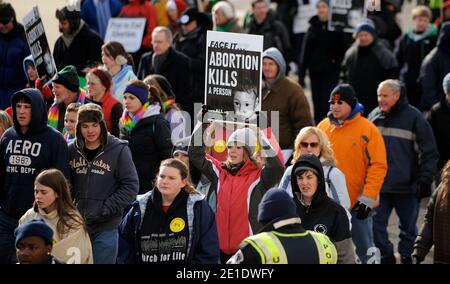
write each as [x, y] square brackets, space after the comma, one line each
[410, 146]
[434, 68]
[13, 49]
[104, 187]
[24, 156]
[203, 245]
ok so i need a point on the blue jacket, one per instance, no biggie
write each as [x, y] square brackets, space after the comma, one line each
[24, 156]
[410, 146]
[90, 14]
[13, 49]
[203, 247]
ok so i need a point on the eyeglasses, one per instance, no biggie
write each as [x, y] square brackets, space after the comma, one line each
[5, 21]
[312, 144]
[338, 102]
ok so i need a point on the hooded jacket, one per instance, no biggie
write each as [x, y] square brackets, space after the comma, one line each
[288, 98]
[150, 143]
[360, 153]
[412, 154]
[104, 187]
[324, 215]
[26, 61]
[434, 68]
[238, 195]
[203, 245]
[24, 156]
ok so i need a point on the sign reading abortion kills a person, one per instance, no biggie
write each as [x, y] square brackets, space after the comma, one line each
[346, 14]
[233, 73]
[127, 31]
[37, 41]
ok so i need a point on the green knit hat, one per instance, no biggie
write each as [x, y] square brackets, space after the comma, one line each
[68, 77]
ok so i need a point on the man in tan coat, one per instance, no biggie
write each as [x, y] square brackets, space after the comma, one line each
[285, 96]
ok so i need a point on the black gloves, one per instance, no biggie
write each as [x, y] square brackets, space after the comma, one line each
[417, 259]
[423, 190]
[362, 210]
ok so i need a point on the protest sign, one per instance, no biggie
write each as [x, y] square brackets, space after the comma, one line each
[233, 73]
[346, 14]
[37, 41]
[127, 31]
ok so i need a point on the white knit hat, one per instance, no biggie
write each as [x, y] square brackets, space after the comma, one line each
[246, 137]
[226, 8]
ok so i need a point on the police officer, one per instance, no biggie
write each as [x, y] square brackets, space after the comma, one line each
[283, 239]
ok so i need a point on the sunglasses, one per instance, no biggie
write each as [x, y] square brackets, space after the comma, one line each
[312, 144]
[333, 102]
[5, 21]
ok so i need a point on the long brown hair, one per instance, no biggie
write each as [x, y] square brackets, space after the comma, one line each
[69, 217]
[445, 185]
[184, 172]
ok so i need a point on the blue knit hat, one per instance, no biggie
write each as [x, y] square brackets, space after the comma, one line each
[34, 228]
[365, 26]
[138, 92]
[446, 84]
[276, 204]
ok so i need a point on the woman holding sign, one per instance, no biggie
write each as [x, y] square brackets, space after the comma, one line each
[170, 224]
[239, 183]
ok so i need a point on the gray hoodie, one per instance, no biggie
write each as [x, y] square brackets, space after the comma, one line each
[274, 54]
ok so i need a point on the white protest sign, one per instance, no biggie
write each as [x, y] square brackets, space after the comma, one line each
[127, 31]
[233, 72]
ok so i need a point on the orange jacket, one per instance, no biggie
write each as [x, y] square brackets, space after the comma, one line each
[361, 155]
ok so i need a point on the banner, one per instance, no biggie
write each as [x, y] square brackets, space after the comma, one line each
[127, 31]
[37, 41]
[233, 73]
[346, 14]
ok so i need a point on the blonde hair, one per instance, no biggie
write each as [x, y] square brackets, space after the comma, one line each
[421, 11]
[445, 185]
[326, 153]
[5, 120]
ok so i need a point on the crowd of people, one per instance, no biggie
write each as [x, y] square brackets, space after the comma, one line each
[109, 162]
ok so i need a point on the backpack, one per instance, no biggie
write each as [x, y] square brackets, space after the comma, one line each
[331, 186]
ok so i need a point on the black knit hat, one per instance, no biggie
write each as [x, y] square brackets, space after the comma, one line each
[34, 228]
[344, 92]
[276, 204]
[165, 85]
[6, 12]
[68, 77]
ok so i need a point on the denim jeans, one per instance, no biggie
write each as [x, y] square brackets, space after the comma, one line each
[105, 246]
[407, 208]
[362, 235]
[7, 247]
